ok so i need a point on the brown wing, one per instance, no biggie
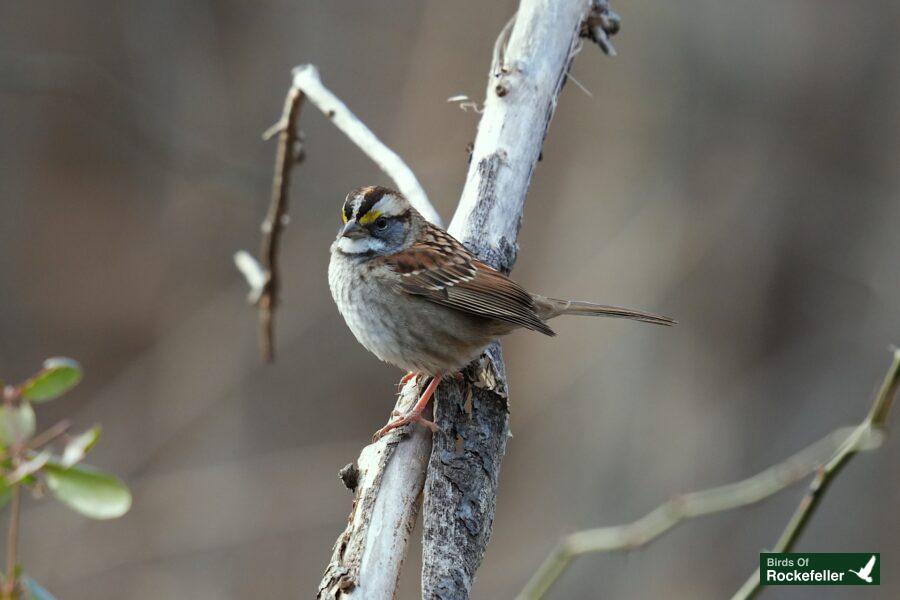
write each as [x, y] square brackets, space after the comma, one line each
[440, 269]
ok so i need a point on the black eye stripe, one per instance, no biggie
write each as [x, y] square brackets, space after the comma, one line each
[371, 197]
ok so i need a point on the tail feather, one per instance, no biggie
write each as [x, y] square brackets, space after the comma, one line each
[547, 308]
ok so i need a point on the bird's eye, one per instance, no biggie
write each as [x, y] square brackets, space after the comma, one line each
[381, 223]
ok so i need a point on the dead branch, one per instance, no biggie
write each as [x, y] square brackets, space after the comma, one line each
[529, 68]
[530, 64]
[262, 275]
[386, 480]
[276, 218]
[306, 78]
[665, 517]
[388, 477]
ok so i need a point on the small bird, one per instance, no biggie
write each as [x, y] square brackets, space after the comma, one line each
[415, 297]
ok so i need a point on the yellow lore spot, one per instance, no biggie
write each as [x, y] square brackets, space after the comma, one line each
[369, 217]
[343, 216]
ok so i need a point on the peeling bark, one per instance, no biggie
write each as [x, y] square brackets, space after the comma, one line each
[387, 480]
[529, 67]
[461, 488]
[530, 64]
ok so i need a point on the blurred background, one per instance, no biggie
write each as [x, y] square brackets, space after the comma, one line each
[735, 167]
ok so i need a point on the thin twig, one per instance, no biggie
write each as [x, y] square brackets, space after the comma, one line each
[665, 517]
[12, 540]
[875, 423]
[498, 59]
[49, 434]
[830, 450]
[388, 500]
[10, 395]
[263, 275]
[276, 218]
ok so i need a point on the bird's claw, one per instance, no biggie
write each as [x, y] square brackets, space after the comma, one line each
[411, 417]
[405, 379]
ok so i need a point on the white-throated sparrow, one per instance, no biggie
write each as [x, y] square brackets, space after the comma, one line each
[417, 298]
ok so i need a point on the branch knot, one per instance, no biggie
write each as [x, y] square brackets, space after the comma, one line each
[601, 24]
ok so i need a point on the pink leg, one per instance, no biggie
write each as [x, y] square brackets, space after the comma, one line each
[405, 379]
[415, 414]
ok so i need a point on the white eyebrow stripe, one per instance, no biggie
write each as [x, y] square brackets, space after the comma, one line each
[354, 212]
[389, 206]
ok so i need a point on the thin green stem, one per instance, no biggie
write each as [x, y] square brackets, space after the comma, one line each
[49, 434]
[859, 440]
[685, 506]
[12, 540]
[826, 458]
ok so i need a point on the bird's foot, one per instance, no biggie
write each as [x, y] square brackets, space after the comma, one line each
[415, 413]
[405, 379]
[410, 417]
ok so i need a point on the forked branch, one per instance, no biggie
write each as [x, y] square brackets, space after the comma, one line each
[288, 154]
[306, 78]
[528, 72]
[387, 478]
[530, 65]
[824, 458]
[262, 275]
[873, 427]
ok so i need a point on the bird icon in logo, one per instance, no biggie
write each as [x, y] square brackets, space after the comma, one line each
[866, 572]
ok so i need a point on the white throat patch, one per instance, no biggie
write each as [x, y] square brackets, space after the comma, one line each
[361, 246]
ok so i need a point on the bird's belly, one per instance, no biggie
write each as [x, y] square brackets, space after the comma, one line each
[406, 331]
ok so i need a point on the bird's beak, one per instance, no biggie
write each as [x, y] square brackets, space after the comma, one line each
[354, 231]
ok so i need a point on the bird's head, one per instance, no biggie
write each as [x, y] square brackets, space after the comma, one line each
[377, 221]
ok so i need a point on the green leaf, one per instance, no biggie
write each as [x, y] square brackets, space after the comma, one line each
[88, 491]
[79, 446]
[26, 468]
[34, 591]
[58, 376]
[16, 423]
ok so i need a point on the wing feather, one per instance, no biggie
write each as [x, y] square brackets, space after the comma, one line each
[442, 270]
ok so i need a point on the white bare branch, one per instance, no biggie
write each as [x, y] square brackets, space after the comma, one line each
[387, 481]
[524, 82]
[529, 68]
[531, 60]
[307, 80]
